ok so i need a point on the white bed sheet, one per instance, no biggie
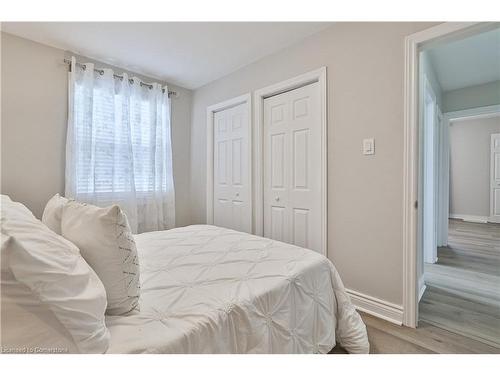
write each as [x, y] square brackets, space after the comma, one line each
[206, 289]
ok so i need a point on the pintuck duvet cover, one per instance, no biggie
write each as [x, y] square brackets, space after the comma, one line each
[206, 289]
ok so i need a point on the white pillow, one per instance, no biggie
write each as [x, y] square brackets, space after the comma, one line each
[52, 214]
[105, 240]
[51, 299]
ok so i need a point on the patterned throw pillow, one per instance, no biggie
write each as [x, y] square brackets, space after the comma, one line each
[106, 242]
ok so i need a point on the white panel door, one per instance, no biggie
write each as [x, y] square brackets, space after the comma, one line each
[232, 199]
[495, 179]
[292, 167]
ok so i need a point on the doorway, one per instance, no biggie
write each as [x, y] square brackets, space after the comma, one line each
[412, 223]
[462, 292]
[457, 237]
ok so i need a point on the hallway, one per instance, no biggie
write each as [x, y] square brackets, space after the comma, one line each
[463, 287]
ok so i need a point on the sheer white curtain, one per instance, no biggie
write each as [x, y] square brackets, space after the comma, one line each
[118, 147]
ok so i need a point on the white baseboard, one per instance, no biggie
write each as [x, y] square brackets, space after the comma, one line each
[470, 218]
[421, 291]
[377, 307]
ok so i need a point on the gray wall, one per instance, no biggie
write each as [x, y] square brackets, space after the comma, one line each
[472, 97]
[34, 113]
[470, 165]
[365, 64]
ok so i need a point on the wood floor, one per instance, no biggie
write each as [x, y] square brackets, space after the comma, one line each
[463, 287]
[388, 338]
[460, 309]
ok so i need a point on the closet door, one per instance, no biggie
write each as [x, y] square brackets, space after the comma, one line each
[232, 200]
[292, 167]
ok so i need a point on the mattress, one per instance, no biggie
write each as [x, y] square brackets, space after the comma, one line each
[206, 289]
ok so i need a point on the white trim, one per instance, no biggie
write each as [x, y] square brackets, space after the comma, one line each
[493, 218]
[470, 218]
[429, 179]
[319, 76]
[376, 307]
[410, 154]
[422, 288]
[473, 113]
[443, 182]
[243, 99]
[410, 173]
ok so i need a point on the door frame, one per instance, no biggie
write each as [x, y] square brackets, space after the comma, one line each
[211, 110]
[429, 255]
[410, 245]
[318, 75]
[492, 218]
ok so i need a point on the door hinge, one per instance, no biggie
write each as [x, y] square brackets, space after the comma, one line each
[415, 205]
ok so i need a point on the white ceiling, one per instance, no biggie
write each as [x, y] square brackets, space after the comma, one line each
[467, 62]
[187, 54]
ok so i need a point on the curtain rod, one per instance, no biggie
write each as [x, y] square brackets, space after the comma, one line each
[101, 71]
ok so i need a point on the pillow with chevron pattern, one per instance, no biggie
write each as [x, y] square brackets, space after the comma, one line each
[106, 242]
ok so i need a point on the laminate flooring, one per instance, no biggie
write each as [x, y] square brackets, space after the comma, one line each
[389, 338]
[463, 288]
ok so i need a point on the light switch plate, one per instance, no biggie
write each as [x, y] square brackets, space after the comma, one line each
[368, 146]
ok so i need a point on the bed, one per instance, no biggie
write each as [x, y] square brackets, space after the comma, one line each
[206, 289]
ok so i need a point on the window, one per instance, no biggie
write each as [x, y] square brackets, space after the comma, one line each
[123, 140]
[118, 148]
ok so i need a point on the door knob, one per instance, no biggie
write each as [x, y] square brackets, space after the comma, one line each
[277, 199]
